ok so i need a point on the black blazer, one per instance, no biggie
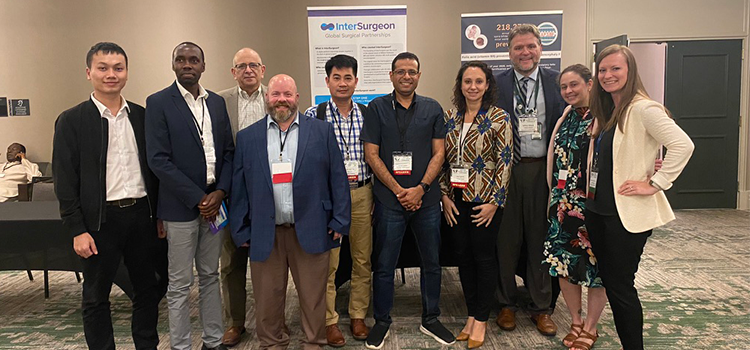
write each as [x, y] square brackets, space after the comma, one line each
[554, 105]
[176, 155]
[79, 165]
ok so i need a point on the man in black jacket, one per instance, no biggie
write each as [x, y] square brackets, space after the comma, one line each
[107, 200]
[530, 95]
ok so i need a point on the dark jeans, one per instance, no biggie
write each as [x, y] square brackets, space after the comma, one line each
[477, 258]
[618, 253]
[128, 233]
[390, 227]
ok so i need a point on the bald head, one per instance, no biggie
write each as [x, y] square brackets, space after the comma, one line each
[248, 69]
[282, 98]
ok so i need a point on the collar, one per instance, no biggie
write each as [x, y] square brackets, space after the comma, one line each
[201, 91]
[270, 121]
[245, 95]
[335, 108]
[102, 108]
[395, 102]
[534, 75]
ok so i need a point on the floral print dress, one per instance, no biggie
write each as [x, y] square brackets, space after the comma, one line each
[567, 247]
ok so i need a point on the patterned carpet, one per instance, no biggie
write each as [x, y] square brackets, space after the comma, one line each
[693, 281]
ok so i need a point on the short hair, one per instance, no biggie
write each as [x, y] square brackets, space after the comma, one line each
[404, 56]
[525, 28]
[189, 43]
[23, 148]
[582, 71]
[105, 48]
[341, 61]
[490, 95]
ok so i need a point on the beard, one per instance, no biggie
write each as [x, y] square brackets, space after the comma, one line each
[282, 116]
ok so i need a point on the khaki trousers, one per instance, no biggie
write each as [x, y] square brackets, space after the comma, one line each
[269, 288]
[360, 242]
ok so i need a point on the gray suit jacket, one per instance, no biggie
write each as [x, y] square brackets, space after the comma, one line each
[231, 98]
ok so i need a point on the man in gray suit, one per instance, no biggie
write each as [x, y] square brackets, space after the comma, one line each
[246, 104]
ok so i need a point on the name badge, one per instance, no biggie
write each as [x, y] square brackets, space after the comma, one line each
[281, 172]
[352, 170]
[459, 177]
[562, 176]
[402, 163]
[592, 184]
[528, 125]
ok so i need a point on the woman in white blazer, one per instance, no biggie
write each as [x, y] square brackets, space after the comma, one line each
[626, 198]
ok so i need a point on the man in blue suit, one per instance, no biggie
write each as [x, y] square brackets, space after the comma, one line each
[190, 149]
[290, 205]
[530, 94]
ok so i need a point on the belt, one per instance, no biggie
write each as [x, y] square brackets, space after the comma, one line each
[287, 225]
[125, 202]
[359, 184]
[532, 160]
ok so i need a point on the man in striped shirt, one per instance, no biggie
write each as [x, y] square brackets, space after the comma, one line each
[347, 119]
[246, 105]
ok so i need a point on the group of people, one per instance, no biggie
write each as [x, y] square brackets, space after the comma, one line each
[527, 186]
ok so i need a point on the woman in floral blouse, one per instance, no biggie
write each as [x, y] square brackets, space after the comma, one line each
[567, 247]
[474, 183]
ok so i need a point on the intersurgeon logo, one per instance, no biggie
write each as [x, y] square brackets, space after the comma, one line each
[548, 33]
[327, 26]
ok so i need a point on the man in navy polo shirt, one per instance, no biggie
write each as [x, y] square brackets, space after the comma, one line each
[405, 147]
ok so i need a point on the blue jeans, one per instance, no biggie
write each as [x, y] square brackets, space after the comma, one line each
[390, 227]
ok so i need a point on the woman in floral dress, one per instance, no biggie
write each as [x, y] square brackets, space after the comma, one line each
[567, 248]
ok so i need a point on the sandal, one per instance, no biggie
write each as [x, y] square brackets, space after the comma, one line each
[575, 331]
[583, 345]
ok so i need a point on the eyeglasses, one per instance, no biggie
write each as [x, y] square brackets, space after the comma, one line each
[402, 72]
[242, 66]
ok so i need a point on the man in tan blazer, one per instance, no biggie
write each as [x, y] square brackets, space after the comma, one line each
[245, 104]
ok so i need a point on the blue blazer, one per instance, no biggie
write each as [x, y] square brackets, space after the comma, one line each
[176, 156]
[319, 186]
[554, 105]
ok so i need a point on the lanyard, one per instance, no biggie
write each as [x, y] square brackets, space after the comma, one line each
[597, 146]
[338, 124]
[526, 102]
[203, 114]
[10, 165]
[462, 142]
[282, 143]
[409, 116]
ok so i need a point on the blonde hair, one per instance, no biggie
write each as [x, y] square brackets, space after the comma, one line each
[602, 106]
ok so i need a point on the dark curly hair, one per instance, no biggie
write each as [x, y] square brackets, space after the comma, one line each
[490, 96]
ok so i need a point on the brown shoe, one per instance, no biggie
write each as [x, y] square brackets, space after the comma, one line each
[334, 336]
[545, 325]
[506, 320]
[359, 329]
[232, 336]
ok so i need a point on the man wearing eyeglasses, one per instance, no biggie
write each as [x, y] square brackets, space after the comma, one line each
[246, 105]
[405, 147]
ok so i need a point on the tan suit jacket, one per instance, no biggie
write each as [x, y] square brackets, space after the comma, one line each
[647, 127]
[231, 98]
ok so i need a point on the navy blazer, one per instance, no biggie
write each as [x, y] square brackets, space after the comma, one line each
[554, 105]
[176, 156]
[319, 185]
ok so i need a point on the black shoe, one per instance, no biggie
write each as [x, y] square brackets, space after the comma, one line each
[218, 347]
[439, 332]
[376, 338]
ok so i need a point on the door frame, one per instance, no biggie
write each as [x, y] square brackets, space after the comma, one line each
[743, 154]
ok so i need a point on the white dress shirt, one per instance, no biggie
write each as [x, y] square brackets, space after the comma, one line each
[251, 108]
[14, 173]
[202, 121]
[124, 178]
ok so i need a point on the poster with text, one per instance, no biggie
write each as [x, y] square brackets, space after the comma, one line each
[371, 34]
[484, 37]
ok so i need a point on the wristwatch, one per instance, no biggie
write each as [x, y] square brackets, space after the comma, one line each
[425, 187]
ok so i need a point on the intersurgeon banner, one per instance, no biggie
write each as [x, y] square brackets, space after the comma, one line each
[484, 37]
[374, 35]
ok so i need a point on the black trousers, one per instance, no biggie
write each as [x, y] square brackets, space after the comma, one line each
[618, 253]
[525, 225]
[130, 234]
[477, 258]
